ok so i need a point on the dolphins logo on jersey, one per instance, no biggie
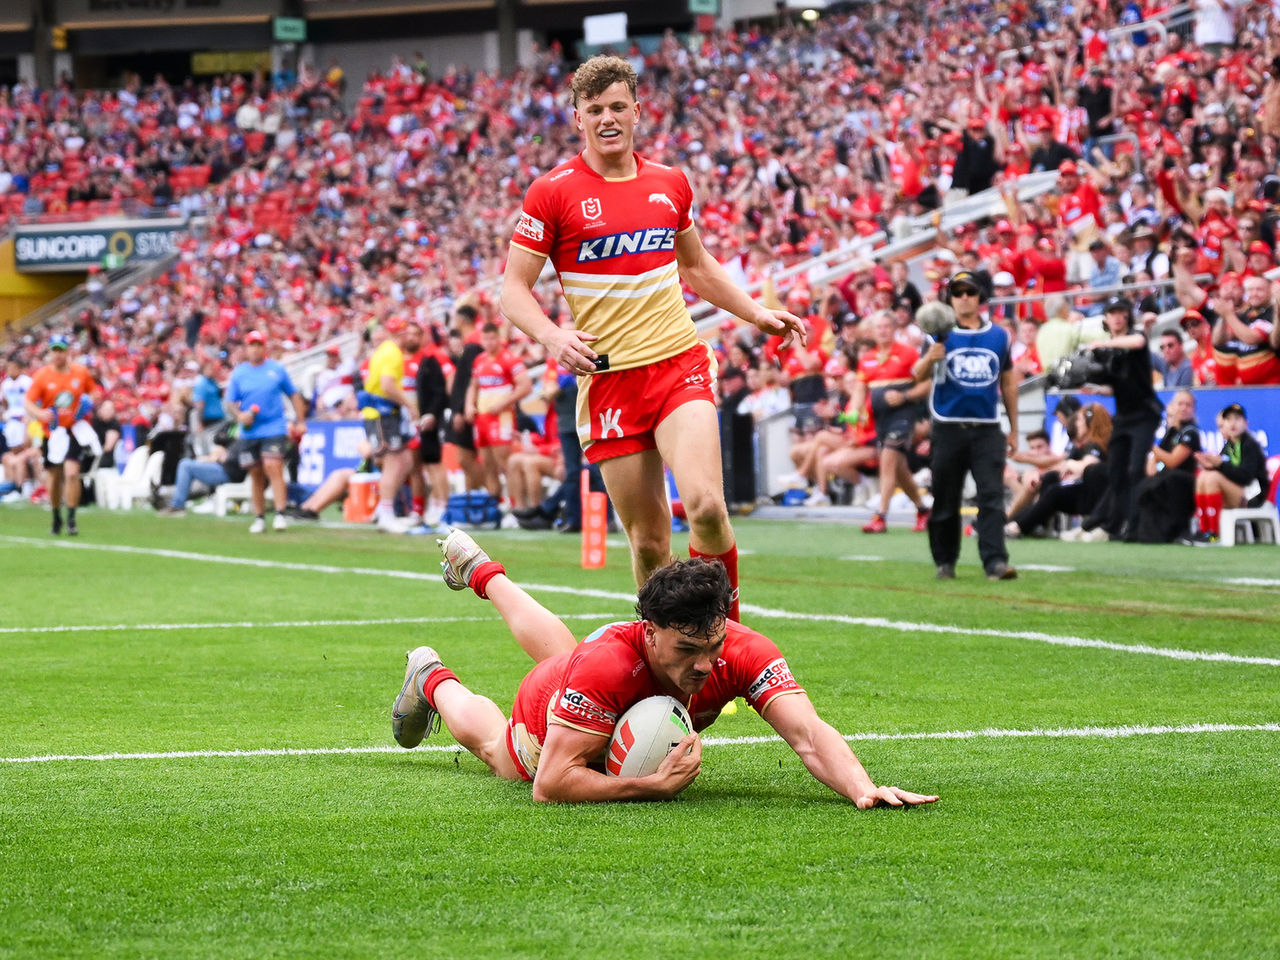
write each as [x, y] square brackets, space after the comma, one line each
[663, 198]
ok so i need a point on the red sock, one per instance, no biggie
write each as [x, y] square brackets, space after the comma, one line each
[420, 505]
[1213, 512]
[1201, 522]
[434, 679]
[484, 573]
[730, 560]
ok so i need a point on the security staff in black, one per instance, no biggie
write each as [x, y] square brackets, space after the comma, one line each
[1127, 358]
[972, 372]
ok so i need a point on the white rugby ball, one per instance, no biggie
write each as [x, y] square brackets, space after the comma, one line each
[645, 734]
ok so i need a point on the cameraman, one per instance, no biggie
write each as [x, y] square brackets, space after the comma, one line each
[1127, 360]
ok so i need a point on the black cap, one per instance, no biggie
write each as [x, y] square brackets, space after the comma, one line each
[1233, 409]
[967, 278]
[1068, 406]
[1120, 305]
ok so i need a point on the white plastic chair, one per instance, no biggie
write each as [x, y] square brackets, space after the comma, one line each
[225, 493]
[1265, 516]
[141, 487]
[134, 470]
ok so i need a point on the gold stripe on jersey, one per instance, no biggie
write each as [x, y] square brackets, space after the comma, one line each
[639, 318]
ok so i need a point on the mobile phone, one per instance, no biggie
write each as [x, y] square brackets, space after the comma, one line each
[601, 362]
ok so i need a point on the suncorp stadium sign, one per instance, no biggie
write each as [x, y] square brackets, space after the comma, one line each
[47, 247]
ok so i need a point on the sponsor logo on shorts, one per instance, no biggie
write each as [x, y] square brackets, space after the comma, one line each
[620, 244]
[582, 707]
[591, 208]
[772, 677]
[530, 227]
[610, 420]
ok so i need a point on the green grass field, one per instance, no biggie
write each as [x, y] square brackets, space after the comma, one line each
[1073, 821]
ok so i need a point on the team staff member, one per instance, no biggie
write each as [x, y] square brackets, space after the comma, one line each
[1137, 417]
[683, 646]
[390, 413]
[972, 371]
[1232, 478]
[619, 231]
[463, 348]
[255, 399]
[431, 384]
[499, 382]
[54, 399]
[884, 373]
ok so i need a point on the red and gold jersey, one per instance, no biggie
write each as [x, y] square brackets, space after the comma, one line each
[590, 687]
[495, 379]
[1081, 214]
[877, 367]
[613, 244]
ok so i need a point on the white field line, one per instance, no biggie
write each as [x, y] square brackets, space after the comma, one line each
[879, 623]
[266, 625]
[1252, 582]
[985, 734]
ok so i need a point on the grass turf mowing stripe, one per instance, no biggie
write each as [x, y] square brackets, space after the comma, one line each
[261, 625]
[879, 623]
[987, 734]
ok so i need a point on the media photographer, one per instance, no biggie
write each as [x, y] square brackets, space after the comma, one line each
[1123, 365]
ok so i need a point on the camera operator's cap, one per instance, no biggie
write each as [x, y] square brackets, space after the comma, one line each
[255, 336]
[1068, 168]
[1233, 410]
[59, 342]
[969, 279]
[1120, 305]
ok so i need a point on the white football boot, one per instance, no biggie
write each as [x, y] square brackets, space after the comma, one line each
[461, 557]
[412, 717]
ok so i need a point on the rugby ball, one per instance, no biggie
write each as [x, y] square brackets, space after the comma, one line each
[645, 734]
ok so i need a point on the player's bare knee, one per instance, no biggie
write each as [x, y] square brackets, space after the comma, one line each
[706, 512]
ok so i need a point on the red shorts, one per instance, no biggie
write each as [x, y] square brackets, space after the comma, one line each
[618, 411]
[495, 429]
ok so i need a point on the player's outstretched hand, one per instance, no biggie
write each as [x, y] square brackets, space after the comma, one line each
[786, 325]
[570, 349]
[680, 768]
[892, 797]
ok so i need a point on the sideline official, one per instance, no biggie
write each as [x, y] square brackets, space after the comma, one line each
[971, 371]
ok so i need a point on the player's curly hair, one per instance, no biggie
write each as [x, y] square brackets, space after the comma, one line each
[600, 73]
[690, 595]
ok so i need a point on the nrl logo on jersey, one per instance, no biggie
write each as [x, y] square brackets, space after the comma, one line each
[591, 208]
[663, 198]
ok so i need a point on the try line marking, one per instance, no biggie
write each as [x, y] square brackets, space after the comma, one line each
[263, 625]
[879, 623]
[986, 734]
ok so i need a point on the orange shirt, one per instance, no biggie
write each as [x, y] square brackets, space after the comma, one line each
[60, 389]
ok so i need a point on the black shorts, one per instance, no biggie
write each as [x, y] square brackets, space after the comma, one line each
[386, 434]
[429, 446]
[464, 438]
[895, 426]
[252, 451]
[74, 452]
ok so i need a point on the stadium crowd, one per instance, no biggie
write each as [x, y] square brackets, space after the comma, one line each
[800, 141]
